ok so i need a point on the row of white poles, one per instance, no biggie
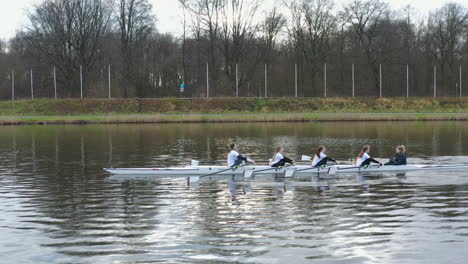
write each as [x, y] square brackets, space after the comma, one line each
[237, 81]
[54, 72]
[325, 80]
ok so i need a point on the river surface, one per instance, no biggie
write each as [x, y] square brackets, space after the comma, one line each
[57, 205]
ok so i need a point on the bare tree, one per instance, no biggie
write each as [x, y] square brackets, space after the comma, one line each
[237, 31]
[67, 33]
[208, 14]
[364, 17]
[273, 23]
[310, 31]
[136, 23]
[446, 30]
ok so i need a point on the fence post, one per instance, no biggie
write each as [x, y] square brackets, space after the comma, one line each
[407, 80]
[380, 80]
[55, 83]
[295, 79]
[207, 81]
[237, 80]
[460, 81]
[266, 81]
[81, 82]
[109, 80]
[325, 80]
[12, 85]
[435, 81]
[32, 86]
[352, 70]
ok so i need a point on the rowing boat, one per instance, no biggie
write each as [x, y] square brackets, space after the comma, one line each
[287, 170]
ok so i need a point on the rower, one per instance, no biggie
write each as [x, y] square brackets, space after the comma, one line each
[234, 159]
[320, 159]
[279, 160]
[400, 158]
[364, 159]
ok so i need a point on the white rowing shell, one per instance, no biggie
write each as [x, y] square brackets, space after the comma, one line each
[286, 171]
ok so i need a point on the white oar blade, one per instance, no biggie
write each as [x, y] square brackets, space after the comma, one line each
[332, 170]
[305, 158]
[194, 163]
[248, 173]
[289, 172]
[192, 179]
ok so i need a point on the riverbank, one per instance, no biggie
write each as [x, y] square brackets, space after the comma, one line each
[171, 110]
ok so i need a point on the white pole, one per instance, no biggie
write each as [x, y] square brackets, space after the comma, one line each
[266, 81]
[81, 82]
[237, 80]
[407, 80]
[32, 86]
[55, 83]
[352, 69]
[380, 73]
[109, 81]
[435, 81]
[460, 81]
[207, 82]
[325, 80]
[295, 80]
[12, 85]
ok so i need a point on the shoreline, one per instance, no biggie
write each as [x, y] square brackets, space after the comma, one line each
[227, 118]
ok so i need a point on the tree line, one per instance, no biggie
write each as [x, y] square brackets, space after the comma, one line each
[239, 46]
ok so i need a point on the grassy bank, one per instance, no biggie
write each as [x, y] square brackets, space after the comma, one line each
[230, 110]
[230, 105]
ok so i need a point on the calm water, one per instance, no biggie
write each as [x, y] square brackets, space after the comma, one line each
[58, 206]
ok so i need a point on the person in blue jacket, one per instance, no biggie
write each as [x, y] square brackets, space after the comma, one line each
[400, 158]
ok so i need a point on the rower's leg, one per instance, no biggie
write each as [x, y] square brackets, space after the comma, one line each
[367, 162]
[321, 163]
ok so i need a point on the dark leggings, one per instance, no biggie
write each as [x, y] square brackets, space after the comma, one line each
[239, 160]
[282, 162]
[368, 161]
[324, 161]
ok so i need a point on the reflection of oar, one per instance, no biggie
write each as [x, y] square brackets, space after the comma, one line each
[197, 178]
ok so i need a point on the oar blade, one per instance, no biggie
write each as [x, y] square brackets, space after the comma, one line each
[192, 179]
[248, 172]
[306, 158]
[289, 172]
[332, 170]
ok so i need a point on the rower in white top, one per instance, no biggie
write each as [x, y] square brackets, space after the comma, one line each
[279, 160]
[320, 159]
[364, 159]
[234, 159]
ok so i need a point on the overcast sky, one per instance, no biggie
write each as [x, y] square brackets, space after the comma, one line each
[13, 14]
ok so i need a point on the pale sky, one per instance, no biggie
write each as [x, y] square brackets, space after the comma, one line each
[13, 14]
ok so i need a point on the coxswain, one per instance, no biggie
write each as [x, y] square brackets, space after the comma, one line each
[400, 158]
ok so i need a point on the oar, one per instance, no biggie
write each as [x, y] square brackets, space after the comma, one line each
[249, 172]
[334, 169]
[273, 168]
[314, 168]
[197, 178]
